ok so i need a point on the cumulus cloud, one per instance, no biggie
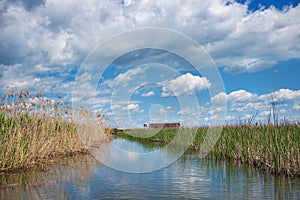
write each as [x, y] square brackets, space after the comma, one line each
[259, 40]
[189, 116]
[42, 43]
[244, 103]
[148, 94]
[39, 33]
[249, 65]
[296, 106]
[242, 100]
[185, 84]
[241, 96]
[129, 76]
[282, 95]
[168, 108]
[219, 98]
[130, 107]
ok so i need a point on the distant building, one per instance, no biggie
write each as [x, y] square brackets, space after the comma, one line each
[164, 125]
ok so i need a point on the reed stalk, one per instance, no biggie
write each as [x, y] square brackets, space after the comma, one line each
[35, 131]
[270, 147]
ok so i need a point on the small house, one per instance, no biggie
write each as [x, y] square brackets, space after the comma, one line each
[164, 125]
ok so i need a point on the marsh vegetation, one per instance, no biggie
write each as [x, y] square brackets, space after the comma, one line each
[270, 147]
[36, 130]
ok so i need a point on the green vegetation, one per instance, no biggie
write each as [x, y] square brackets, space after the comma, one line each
[273, 148]
[35, 130]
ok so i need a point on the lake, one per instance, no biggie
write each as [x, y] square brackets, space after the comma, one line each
[189, 177]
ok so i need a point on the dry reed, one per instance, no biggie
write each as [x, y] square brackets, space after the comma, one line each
[35, 130]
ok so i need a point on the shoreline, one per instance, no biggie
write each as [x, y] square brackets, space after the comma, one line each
[273, 149]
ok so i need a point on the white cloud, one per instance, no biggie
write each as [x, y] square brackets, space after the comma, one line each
[168, 108]
[241, 96]
[282, 95]
[242, 102]
[206, 119]
[132, 107]
[241, 40]
[185, 84]
[148, 94]
[42, 39]
[39, 44]
[282, 110]
[296, 106]
[165, 92]
[265, 113]
[215, 111]
[124, 78]
[35, 79]
[189, 116]
[246, 116]
[218, 98]
[258, 40]
[249, 65]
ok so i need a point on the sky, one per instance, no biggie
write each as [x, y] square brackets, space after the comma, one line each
[252, 46]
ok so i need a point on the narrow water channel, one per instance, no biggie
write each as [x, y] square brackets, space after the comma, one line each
[190, 177]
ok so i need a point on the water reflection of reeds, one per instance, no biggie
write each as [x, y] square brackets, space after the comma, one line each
[190, 177]
[272, 147]
[242, 180]
[53, 183]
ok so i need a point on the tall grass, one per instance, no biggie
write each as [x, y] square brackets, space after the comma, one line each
[268, 147]
[35, 130]
[271, 147]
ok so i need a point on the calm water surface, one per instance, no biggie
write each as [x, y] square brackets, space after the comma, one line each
[189, 177]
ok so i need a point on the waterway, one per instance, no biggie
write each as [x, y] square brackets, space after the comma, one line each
[189, 177]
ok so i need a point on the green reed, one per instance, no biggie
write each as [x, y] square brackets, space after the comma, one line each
[271, 147]
[268, 147]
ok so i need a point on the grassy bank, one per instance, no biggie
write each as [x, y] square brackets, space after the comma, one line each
[34, 131]
[273, 148]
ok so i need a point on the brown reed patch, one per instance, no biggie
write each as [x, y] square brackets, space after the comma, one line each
[35, 130]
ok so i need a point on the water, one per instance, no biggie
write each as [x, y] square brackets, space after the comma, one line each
[189, 177]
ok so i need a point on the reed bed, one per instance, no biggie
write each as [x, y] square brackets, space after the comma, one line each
[35, 131]
[271, 147]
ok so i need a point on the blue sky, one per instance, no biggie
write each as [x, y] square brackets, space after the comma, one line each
[254, 45]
